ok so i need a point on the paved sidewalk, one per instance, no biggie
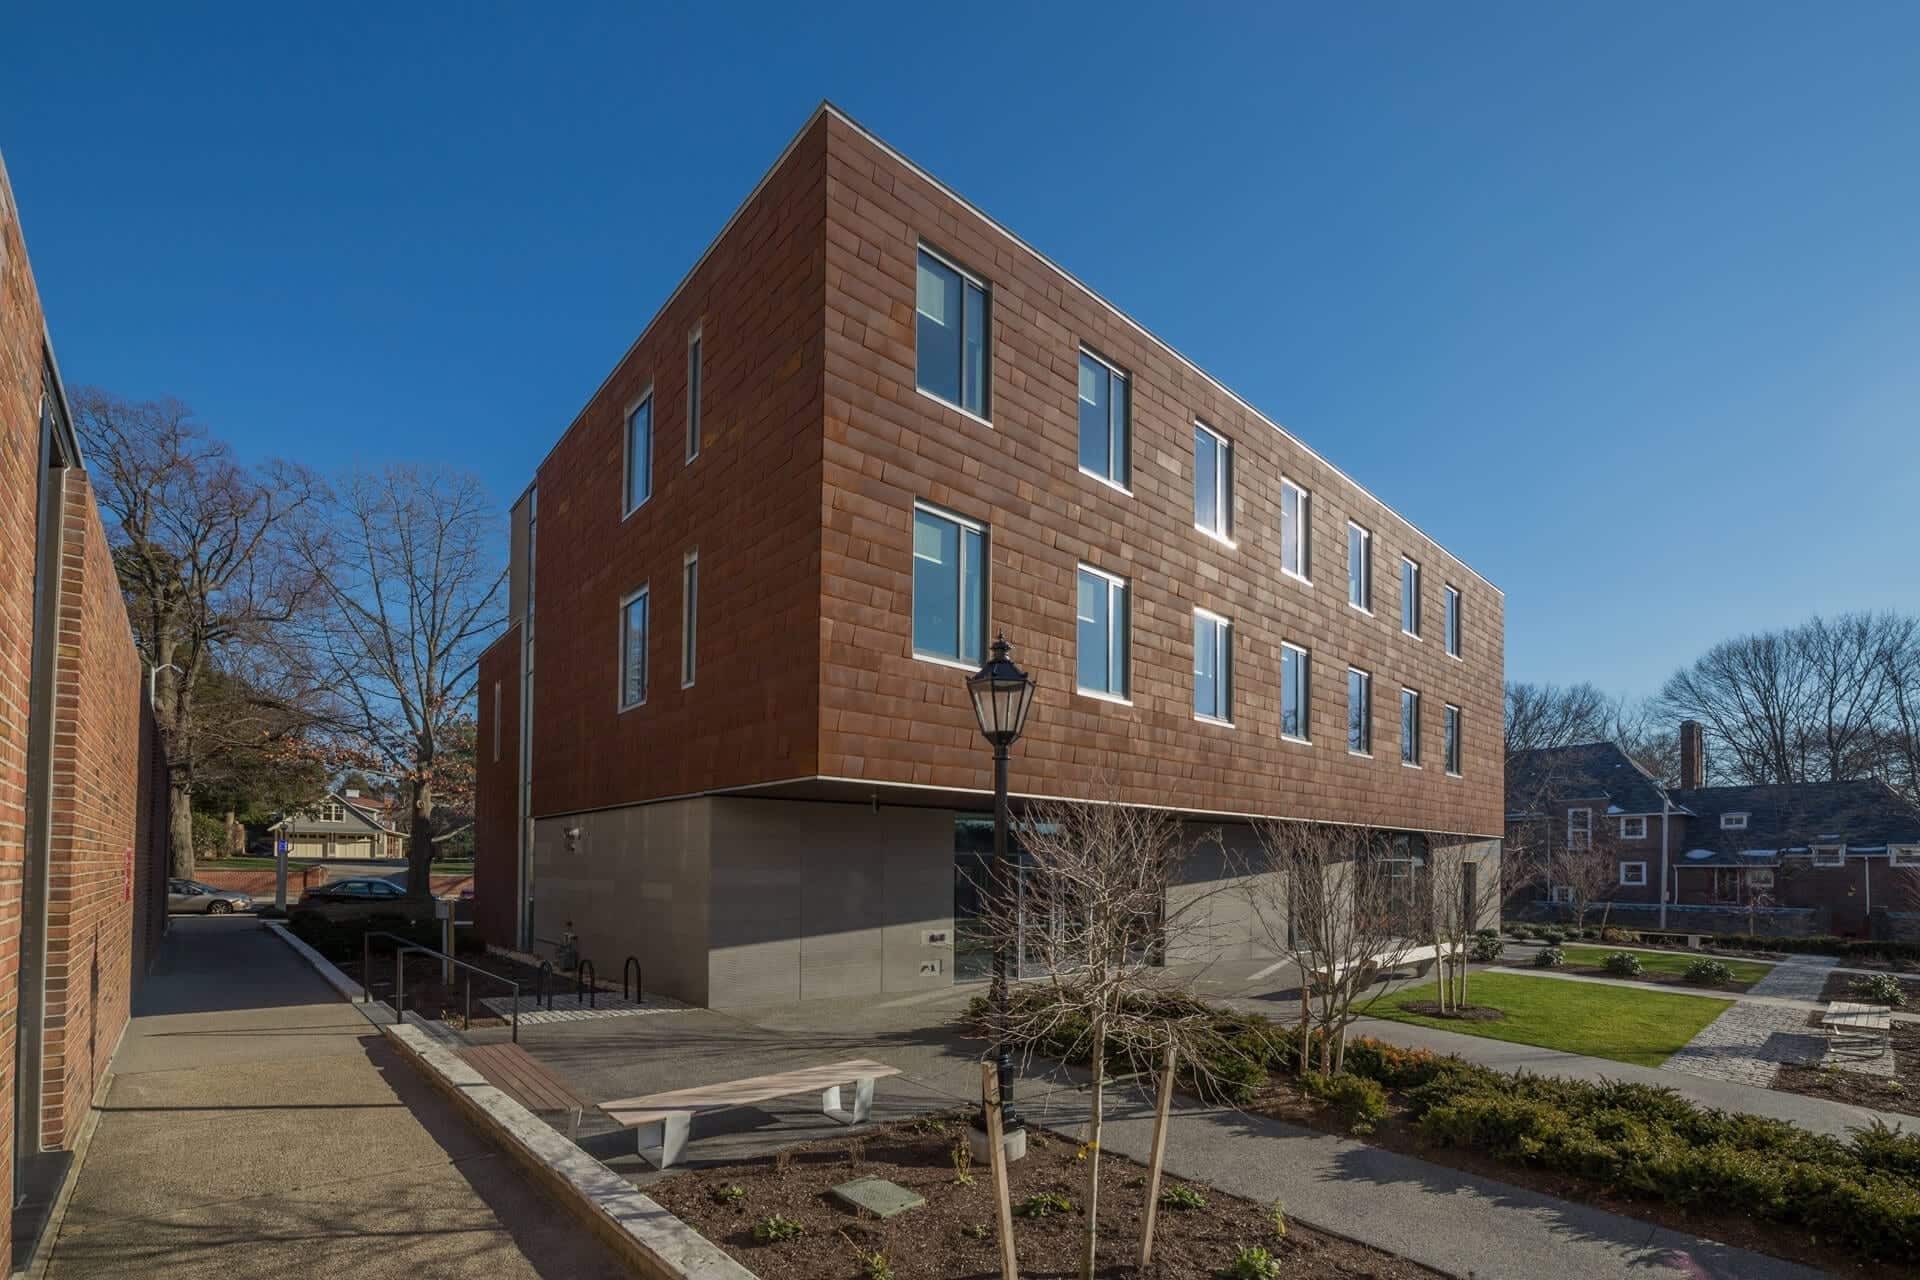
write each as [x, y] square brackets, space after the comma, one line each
[1766, 1029]
[257, 1126]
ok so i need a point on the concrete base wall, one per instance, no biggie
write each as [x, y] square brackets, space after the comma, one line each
[1219, 910]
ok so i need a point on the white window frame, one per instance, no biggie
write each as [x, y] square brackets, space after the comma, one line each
[1365, 584]
[1450, 745]
[643, 400]
[1303, 536]
[1306, 693]
[696, 390]
[1225, 675]
[985, 416]
[1125, 589]
[1760, 877]
[1560, 894]
[332, 810]
[1410, 733]
[620, 694]
[1223, 483]
[1903, 855]
[1121, 457]
[1585, 829]
[1633, 826]
[1409, 617]
[1452, 624]
[1366, 690]
[986, 584]
[1838, 852]
[1641, 882]
[689, 617]
[1733, 822]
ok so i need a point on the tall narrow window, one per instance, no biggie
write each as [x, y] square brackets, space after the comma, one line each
[1453, 740]
[949, 587]
[640, 452]
[633, 649]
[689, 615]
[1295, 693]
[1359, 567]
[1296, 526]
[1212, 482]
[951, 354]
[1212, 666]
[695, 385]
[1409, 727]
[1359, 712]
[1102, 616]
[1453, 622]
[496, 722]
[1410, 597]
[1105, 410]
[1579, 828]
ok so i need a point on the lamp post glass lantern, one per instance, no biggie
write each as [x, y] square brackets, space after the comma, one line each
[1002, 695]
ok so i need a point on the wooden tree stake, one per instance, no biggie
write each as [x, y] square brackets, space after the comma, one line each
[997, 1156]
[1157, 1161]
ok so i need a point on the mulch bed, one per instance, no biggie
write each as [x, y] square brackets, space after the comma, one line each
[1901, 1093]
[1840, 987]
[1471, 1013]
[952, 1235]
[1396, 1133]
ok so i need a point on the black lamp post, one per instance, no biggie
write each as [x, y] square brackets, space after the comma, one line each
[1002, 694]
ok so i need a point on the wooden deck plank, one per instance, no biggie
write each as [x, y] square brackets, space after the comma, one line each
[518, 1073]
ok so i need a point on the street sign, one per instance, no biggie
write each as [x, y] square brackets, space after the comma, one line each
[285, 847]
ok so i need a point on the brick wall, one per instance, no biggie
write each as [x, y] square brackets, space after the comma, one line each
[496, 794]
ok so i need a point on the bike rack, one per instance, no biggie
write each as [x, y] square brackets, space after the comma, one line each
[582, 987]
[540, 984]
[631, 966]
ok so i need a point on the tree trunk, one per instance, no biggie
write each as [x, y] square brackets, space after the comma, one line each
[236, 836]
[420, 840]
[180, 826]
[1093, 1143]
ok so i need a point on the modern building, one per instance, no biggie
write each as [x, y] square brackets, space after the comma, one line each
[1795, 858]
[727, 730]
[83, 789]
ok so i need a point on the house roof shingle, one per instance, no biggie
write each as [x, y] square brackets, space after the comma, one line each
[1586, 771]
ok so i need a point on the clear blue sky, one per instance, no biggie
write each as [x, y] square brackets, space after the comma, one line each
[1622, 304]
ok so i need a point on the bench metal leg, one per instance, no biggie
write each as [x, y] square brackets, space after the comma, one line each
[862, 1102]
[662, 1142]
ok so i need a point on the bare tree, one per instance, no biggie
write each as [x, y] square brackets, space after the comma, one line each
[1096, 914]
[1462, 894]
[1334, 900]
[199, 543]
[1539, 716]
[1587, 865]
[1753, 696]
[407, 560]
[1898, 753]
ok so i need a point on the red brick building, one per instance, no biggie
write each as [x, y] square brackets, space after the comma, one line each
[727, 729]
[82, 790]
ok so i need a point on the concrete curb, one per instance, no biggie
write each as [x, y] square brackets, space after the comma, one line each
[656, 1243]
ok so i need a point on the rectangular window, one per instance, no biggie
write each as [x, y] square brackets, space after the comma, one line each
[1359, 712]
[640, 452]
[1409, 727]
[1104, 410]
[1760, 878]
[1633, 828]
[1453, 622]
[694, 387]
[1296, 531]
[689, 615]
[1829, 855]
[1579, 828]
[1562, 893]
[1295, 693]
[1359, 567]
[1103, 633]
[949, 587]
[1633, 873]
[1410, 597]
[1212, 666]
[950, 358]
[633, 649]
[1453, 740]
[1903, 855]
[1733, 822]
[1212, 482]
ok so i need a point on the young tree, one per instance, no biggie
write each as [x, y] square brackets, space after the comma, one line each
[408, 563]
[199, 542]
[1587, 865]
[1464, 892]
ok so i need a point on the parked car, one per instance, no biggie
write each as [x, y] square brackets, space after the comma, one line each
[351, 899]
[192, 896]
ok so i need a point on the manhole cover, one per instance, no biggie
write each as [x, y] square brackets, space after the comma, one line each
[877, 1196]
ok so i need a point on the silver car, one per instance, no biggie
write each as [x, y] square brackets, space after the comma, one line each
[192, 896]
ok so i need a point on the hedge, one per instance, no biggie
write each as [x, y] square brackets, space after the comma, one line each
[341, 940]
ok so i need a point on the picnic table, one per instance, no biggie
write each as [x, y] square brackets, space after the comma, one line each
[1855, 1027]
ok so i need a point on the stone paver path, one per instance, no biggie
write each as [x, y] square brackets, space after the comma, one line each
[1750, 1041]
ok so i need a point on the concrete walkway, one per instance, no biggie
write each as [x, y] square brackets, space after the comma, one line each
[256, 1126]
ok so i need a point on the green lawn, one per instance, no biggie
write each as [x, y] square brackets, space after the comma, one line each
[1745, 972]
[1622, 1023]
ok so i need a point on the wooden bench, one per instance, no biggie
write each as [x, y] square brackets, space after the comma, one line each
[1854, 1027]
[663, 1119]
[519, 1075]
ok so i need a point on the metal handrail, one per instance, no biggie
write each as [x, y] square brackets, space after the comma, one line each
[582, 987]
[399, 976]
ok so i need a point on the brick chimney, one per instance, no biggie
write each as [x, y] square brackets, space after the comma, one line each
[1693, 755]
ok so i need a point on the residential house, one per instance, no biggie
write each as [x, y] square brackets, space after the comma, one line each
[1798, 858]
[346, 824]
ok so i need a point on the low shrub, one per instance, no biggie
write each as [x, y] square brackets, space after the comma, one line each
[1252, 1263]
[1549, 957]
[1622, 964]
[1551, 935]
[1486, 950]
[1878, 988]
[778, 1227]
[1486, 933]
[1363, 1100]
[1180, 1196]
[1520, 932]
[732, 1193]
[1043, 1204]
[1708, 972]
